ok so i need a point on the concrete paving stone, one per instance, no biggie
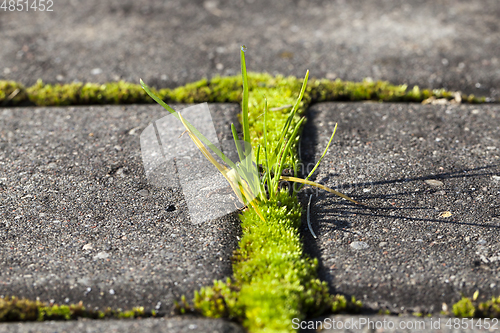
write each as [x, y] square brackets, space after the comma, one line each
[171, 325]
[79, 222]
[434, 44]
[430, 179]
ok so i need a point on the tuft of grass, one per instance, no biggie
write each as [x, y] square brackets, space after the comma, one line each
[16, 309]
[274, 281]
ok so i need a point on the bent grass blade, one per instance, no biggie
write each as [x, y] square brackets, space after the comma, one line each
[308, 182]
[239, 187]
[188, 125]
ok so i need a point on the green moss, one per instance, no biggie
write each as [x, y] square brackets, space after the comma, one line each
[274, 281]
[468, 308]
[490, 309]
[12, 93]
[15, 309]
[87, 94]
[218, 89]
[54, 95]
[464, 308]
[341, 305]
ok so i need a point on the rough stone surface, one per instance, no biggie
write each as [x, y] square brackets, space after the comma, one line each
[435, 44]
[79, 222]
[427, 244]
[161, 325]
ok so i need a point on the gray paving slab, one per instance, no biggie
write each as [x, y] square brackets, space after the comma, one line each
[435, 44]
[430, 179]
[79, 221]
[171, 325]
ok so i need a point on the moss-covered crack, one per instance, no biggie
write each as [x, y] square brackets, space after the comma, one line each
[15, 309]
[218, 89]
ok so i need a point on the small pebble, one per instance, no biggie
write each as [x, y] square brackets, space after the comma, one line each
[359, 245]
[87, 247]
[445, 214]
[118, 148]
[433, 182]
[381, 244]
[170, 208]
[111, 291]
[481, 242]
[96, 71]
[101, 255]
[144, 193]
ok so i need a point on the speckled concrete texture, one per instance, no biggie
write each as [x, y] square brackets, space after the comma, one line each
[434, 44]
[79, 221]
[430, 179]
[171, 325]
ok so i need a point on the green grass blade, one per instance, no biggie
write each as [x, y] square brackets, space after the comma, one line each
[286, 151]
[268, 173]
[292, 114]
[189, 125]
[244, 103]
[324, 153]
[241, 155]
[308, 182]
[258, 156]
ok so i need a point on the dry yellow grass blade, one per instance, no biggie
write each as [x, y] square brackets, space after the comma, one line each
[308, 182]
[239, 187]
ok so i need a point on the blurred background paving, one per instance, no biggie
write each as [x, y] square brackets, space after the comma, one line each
[434, 44]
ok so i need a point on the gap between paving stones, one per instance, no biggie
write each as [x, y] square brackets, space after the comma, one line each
[218, 89]
[453, 44]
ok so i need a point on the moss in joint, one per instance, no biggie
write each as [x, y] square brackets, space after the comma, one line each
[12, 93]
[86, 94]
[274, 281]
[218, 89]
[470, 308]
[15, 309]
